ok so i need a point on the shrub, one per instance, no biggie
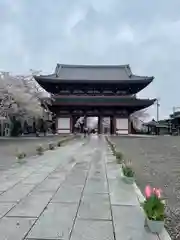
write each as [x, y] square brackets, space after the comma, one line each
[40, 150]
[113, 149]
[127, 169]
[119, 157]
[20, 156]
[51, 146]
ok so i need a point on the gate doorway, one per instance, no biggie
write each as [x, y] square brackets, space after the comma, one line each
[92, 124]
[106, 125]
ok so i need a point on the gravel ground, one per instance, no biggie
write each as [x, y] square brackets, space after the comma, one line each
[9, 146]
[156, 161]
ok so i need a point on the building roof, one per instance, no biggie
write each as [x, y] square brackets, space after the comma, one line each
[156, 124]
[92, 73]
[103, 101]
[175, 115]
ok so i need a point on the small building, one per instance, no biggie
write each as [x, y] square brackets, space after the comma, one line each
[103, 91]
[158, 128]
[175, 122]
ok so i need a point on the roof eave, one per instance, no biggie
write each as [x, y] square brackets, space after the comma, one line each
[53, 79]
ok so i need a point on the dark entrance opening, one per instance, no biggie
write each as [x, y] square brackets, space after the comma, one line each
[92, 124]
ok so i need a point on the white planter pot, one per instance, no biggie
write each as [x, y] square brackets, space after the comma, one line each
[128, 180]
[155, 226]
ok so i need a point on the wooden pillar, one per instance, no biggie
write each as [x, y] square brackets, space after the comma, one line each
[2, 127]
[56, 124]
[85, 121]
[114, 124]
[71, 123]
[129, 126]
[100, 124]
[111, 125]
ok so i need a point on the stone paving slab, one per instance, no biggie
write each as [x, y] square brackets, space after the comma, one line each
[25, 173]
[8, 181]
[97, 174]
[68, 194]
[5, 185]
[31, 206]
[57, 174]
[92, 230]
[20, 172]
[95, 206]
[15, 228]
[55, 223]
[44, 170]
[93, 187]
[122, 193]
[5, 207]
[133, 223]
[16, 193]
[82, 165]
[76, 179]
[50, 184]
[81, 173]
[35, 178]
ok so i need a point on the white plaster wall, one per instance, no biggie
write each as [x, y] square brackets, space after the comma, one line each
[122, 125]
[64, 125]
[106, 121]
[64, 131]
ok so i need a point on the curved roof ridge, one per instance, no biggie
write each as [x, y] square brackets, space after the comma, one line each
[142, 77]
[92, 66]
[53, 75]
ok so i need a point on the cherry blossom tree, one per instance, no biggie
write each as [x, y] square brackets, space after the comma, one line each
[22, 96]
[138, 118]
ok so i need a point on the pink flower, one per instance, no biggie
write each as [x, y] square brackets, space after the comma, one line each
[148, 191]
[157, 192]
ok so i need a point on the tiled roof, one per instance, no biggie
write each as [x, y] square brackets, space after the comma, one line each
[95, 72]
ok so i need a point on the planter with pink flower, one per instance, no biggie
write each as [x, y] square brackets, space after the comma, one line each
[154, 208]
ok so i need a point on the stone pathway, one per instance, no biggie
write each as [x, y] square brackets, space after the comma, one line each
[72, 193]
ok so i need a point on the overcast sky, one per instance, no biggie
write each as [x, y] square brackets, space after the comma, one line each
[145, 34]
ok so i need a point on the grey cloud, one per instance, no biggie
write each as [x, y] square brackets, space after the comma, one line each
[145, 34]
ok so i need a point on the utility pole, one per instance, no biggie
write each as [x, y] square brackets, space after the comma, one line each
[157, 108]
[174, 109]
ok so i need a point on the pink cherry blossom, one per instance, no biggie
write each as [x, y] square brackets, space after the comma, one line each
[148, 191]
